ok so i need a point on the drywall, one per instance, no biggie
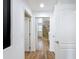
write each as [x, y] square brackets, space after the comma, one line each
[16, 50]
[52, 27]
[43, 14]
[27, 31]
[52, 33]
[33, 37]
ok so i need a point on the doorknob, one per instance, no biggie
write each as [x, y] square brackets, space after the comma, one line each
[57, 42]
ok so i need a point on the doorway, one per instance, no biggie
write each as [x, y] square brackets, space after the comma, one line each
[42, 41]
[27, 24]
[43, 31]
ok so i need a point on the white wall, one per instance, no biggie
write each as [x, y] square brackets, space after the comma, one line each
[52, 27]
[33, 37]
[40, 21]
[27, 31]
[43, 14]
[16, 50]
[52, 33]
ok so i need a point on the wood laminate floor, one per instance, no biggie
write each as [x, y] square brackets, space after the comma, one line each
[41, 53]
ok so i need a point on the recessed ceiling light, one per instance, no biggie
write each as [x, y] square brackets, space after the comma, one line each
[41, 5]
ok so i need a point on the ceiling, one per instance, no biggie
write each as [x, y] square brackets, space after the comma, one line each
[49, 4]
[35, 5]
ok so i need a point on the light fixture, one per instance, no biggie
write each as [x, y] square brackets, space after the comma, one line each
[42, 5]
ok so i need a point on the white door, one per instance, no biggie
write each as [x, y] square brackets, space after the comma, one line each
[65, 36]
[27, 36]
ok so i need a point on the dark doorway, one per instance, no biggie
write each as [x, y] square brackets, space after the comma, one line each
[6, 23]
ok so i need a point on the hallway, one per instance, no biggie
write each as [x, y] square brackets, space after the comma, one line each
[29, 21]
[42, 53]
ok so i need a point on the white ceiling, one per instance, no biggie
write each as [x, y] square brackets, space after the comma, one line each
[35, 4]
[49, 4]
[67, 1]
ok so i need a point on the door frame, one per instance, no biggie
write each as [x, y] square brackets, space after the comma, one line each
[48, 31]
[27, 14]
